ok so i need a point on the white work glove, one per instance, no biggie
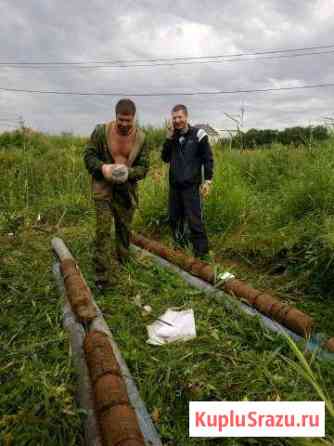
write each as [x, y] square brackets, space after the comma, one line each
[120, 174]
[205, 188]
[115, 173]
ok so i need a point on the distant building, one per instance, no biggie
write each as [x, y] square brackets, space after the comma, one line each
[213, 134]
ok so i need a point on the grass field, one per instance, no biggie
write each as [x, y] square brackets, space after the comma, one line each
[269, 218]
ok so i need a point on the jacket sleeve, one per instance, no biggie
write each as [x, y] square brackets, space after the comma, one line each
[207, 157]
[92, 157]
[141, 166]
[167, 150]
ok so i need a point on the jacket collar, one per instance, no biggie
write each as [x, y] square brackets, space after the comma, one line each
[138, 143]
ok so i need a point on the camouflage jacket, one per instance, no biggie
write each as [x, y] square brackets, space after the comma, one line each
[98, 152]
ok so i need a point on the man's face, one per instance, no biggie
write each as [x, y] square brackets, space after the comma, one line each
[125, 123]
[179, 119]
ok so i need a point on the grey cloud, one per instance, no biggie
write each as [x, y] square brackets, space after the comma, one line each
[111, 30]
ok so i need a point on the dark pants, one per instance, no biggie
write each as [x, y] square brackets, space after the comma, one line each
[185, 206]
[106, 211]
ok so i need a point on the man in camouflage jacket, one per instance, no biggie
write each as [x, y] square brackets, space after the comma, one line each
[117, 157]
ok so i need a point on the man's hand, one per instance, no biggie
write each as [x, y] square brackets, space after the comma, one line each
[169, 130]
[116, 173]
[107, 170]
[205, 188]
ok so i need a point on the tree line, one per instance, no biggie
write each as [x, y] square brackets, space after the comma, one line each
[254, 138]
[250, 139]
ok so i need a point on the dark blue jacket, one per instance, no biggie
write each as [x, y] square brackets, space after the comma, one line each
[186, 155]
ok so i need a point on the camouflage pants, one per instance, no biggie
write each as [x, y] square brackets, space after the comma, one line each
[106, 211]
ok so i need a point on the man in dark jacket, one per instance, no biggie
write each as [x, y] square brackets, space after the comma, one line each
[188, 152]
[116, 156]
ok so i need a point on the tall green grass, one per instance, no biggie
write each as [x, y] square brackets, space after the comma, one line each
[43, 176]
[267, 205]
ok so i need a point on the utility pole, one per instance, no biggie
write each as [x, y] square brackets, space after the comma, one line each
[238, 120]
[329, 121]
[21, 123]
[26, 182]
[242, 115]
[23, 130]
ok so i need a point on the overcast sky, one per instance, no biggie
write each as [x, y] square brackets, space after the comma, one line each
[101, 30]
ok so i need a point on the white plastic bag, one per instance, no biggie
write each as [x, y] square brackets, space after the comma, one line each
[182, 327]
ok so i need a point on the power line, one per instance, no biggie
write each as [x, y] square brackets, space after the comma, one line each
[11, 121]
[166, 59]
[161, 94]
[163, 64]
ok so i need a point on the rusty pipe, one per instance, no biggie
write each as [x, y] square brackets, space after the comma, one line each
[151, 437]
[117, 418]
[287, 315]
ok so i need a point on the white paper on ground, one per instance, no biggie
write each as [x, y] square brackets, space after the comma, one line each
[226, 276]
[183, 327]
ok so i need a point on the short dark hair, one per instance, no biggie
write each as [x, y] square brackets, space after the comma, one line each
[180, 107]
[125, 107]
